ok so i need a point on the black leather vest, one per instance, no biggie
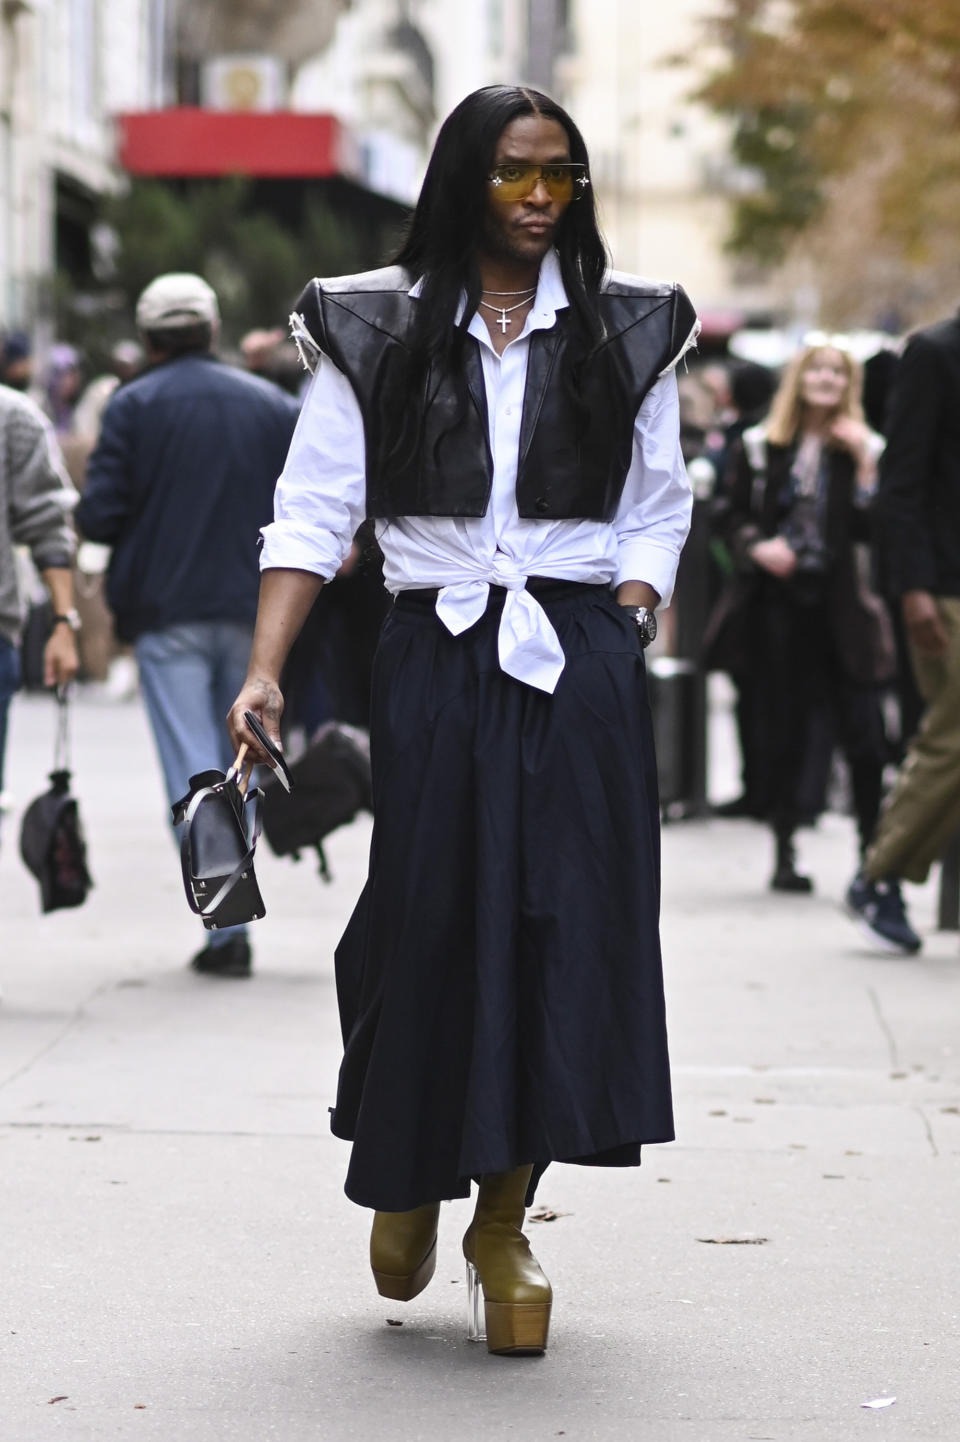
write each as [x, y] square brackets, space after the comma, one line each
[571, 465]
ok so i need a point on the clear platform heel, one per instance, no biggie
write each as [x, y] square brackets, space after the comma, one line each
[476, 1321]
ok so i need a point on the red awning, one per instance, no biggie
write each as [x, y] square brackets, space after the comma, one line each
[185, 141]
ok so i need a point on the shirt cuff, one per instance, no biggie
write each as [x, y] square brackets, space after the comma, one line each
[639, 559]
[290, 547]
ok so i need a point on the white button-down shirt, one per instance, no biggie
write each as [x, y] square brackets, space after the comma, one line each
[320, 502]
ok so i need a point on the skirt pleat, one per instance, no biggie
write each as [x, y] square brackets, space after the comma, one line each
[500, 982]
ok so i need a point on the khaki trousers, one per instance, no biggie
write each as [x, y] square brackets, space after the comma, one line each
[922, 814]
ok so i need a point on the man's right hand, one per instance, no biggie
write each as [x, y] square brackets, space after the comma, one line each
[774, 556]
[264, 699]
[924, 623]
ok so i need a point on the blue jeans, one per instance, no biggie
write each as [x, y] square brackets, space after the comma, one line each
[189, 677]
[9, 683]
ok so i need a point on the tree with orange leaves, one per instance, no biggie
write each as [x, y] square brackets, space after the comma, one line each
[846, 132]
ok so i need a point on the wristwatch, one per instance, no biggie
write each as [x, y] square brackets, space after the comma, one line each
[646, 623]
[69, 618]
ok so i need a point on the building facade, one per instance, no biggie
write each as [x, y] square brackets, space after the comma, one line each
[662, 172]
[67, 67]
[387, 71]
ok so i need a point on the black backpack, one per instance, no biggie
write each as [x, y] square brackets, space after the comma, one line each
[331, 784]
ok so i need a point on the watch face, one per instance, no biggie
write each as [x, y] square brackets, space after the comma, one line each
[646, 625]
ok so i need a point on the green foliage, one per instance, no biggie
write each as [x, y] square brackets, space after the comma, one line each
[769, 146]
[256, 261]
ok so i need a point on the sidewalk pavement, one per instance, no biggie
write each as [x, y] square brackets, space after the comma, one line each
[179, 1263]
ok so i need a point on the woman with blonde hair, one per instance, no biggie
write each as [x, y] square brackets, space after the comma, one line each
[797, 618]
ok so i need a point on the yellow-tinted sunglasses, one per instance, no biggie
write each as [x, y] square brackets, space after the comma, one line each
[517, 178]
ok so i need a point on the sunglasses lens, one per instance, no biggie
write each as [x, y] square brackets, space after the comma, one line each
[515, 182]
[559, 182]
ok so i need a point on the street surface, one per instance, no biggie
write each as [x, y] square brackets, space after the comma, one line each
[178, 1261]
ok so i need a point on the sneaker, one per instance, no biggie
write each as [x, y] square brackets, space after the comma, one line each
[232, 958]
[880, 911]
[785, 878]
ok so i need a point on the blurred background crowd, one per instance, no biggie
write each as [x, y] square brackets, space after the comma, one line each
[794, 164]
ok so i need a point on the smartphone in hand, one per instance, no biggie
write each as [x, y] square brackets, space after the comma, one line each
[276, 756]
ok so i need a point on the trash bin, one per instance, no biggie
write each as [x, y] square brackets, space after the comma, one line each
[676, 702]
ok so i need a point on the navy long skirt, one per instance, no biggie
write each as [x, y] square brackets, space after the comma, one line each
[500, 984]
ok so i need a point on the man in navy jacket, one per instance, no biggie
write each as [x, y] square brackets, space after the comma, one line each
[180, 483]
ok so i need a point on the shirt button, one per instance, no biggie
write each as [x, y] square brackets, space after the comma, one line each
[508, 411]
[541, 504]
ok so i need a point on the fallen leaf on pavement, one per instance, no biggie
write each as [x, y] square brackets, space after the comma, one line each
[547, 1214]
[735, 1241]
[56, 1399]
[392, 1322]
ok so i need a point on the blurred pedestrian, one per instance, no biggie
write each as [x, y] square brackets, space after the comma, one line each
[878, 375]
[125, 361]
[62, 384]
[271, 354]
[752, 387]
[500, 981]
[16, 361]
[179, 484]
[36, 498]
[258, 348]
[797, 618]
[101, 659]
[919, 509]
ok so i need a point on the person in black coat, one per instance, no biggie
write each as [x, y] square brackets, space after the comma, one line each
[797, 617]
[918, 505]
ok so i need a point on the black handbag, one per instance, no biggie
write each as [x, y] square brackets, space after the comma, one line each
[52, 843]
[217, 847]
[331, 784]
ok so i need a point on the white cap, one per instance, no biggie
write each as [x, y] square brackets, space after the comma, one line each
[176, 300]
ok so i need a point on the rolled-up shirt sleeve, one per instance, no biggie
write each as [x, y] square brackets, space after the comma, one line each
[653, 517]
[320, 499]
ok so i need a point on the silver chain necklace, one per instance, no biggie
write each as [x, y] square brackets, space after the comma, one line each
[504, 322]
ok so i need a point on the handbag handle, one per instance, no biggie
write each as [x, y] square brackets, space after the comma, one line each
[61, 745]
[237, 769]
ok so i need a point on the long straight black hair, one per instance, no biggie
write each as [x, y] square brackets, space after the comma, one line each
[441, 245]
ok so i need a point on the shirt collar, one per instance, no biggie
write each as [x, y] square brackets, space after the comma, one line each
[551, 294]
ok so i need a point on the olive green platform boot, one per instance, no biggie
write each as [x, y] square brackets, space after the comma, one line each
[403, 1251]
[516, 1295]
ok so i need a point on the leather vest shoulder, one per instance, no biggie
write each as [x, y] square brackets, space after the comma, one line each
[576, 436]
[422, 459]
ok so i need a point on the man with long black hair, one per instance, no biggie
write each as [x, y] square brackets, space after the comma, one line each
[505, 408]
